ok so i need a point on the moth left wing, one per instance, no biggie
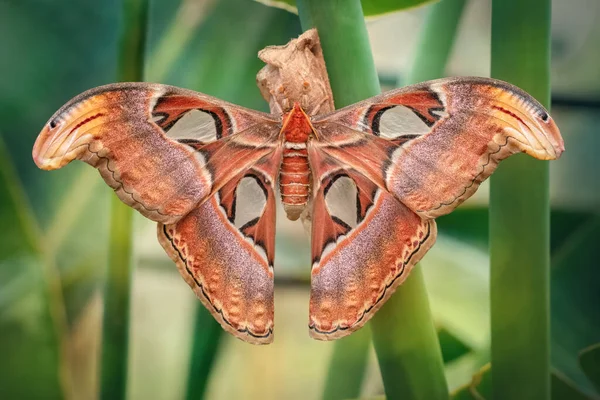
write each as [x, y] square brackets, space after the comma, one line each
[433, 143]
[161, 148]
[203, 169]
[224, 250]
[364, 244]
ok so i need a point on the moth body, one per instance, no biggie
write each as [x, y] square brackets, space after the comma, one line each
[294, 175]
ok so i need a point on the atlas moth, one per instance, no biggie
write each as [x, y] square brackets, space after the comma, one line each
[371, 177]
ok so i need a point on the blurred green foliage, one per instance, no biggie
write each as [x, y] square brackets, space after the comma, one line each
[30, 334]
[589, 359]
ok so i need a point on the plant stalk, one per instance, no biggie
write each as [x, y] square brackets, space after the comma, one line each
[436, 41]
[407, 346]
[353, 77]
[519, 215]
[207, 337]
[347, 366]
[346, 48]
[117, 291]
[403, 330]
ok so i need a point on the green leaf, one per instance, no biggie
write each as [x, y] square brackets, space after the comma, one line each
[370, 7]
[452, 347]
[575, 298]
[480, 387]
[67, 204]
[85, 53]
[590, 363]
[564, 389]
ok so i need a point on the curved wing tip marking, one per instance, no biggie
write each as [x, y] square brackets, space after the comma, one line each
[247, 334]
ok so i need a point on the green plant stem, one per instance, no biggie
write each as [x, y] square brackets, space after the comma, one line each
[353, 77]
[117, 292]
[347, 366]
[407, 345]
[519, 216]
[403, 331]
[207, 336]
[133, 40]
[346, 47]
[436, 41]
[115, 324]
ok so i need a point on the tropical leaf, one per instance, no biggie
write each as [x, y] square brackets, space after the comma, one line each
[480, 387]
[590, 364]
[370, 7]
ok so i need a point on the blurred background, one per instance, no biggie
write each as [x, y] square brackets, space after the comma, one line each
[53, 245]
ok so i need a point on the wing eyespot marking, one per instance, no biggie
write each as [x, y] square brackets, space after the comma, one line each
[183, 117]
[434, 115]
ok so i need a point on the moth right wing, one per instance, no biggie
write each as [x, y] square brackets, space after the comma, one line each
[162, 149]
